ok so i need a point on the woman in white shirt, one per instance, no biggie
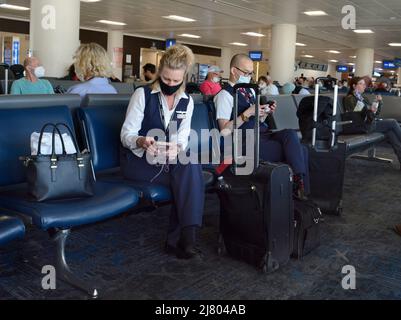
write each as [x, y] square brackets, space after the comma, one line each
[154, 135]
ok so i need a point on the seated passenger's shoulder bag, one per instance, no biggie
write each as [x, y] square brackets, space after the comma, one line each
[59, 176]
[361, 122]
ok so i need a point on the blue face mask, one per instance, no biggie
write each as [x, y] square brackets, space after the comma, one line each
[243, 79]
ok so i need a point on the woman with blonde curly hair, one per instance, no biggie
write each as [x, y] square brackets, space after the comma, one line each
[165, 107]
[92, 64]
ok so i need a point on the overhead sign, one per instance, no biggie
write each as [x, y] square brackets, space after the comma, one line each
[256, 55]
[170, 43]
[313, 66]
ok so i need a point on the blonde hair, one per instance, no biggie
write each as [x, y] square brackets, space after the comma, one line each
[177, 57]
[91, 60]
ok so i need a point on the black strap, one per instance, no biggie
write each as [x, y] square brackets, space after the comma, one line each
[163, 117]
[53, 139]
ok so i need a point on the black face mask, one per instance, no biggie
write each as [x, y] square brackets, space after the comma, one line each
[169, 90]
[147, 79]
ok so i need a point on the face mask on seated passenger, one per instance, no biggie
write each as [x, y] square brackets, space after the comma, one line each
[216, 79]
[39, 72]
[243, 79]
[169, 90]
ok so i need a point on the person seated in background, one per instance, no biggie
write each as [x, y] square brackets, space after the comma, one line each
[92, 64]
[342, 86]
[31, 83]
[164, 106]
[266, 86]
[288, 88]
[281, 146]
[300, 88]
[149, 72]
[71, 76]
[357, 101]
[382, 88]
[211, 86]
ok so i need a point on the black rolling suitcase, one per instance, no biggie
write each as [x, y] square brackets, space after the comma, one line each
[257, 214]
[326, 155]
[6, 69]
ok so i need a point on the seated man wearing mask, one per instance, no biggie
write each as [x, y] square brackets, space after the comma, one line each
[281, 146]
[149, 72]
[211, 86]
[31, 84]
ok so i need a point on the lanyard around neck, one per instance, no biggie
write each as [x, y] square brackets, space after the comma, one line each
[163, 117]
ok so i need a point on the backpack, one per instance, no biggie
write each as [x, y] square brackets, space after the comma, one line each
[324, 118]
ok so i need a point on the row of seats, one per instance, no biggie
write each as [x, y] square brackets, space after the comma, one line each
[98, 120]
[286, 117]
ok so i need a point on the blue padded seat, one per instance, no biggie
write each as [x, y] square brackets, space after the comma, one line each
[102, 126]
[66, 214]
[10, 229]
[17, 125]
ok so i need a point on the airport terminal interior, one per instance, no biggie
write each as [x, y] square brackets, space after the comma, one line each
[319, 218]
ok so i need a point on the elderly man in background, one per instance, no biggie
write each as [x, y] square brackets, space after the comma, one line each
[31, 83]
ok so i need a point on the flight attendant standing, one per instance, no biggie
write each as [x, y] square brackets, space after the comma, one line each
[165, 107]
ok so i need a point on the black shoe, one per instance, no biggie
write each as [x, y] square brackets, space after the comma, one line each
[189, 253]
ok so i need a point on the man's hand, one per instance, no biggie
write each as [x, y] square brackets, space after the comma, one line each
[168, 150]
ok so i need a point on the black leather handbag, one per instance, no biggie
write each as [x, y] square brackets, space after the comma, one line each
[59, 176]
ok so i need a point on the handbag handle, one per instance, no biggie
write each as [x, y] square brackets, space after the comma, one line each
[53, 138]
[74, 140]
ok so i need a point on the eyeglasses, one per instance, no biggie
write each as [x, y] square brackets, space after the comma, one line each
[246, 74]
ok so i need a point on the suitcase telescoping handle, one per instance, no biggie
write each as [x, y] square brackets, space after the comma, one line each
[315, 112]
[255, 87]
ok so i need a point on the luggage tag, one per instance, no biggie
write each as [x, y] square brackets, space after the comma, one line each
[181, 115]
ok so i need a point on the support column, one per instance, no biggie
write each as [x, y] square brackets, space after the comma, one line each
[364, 62]
[226, 56]
[115, 40]
[54, 34]
[283, 49]
[399, 76]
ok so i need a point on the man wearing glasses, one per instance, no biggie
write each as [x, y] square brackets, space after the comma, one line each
[280, 146]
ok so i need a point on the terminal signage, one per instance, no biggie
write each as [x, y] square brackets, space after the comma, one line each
[256, 55]
[313, 66]
[389, 64]
[342, 69]
[170, 43]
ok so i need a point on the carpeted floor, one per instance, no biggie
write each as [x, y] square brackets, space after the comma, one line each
[125, 257]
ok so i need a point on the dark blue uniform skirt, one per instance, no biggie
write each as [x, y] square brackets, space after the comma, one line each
[184, 181]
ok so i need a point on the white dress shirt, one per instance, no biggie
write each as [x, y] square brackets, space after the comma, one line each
[136, 114]
[224, 102]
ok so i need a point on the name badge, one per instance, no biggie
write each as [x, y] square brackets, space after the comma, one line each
[181, 115]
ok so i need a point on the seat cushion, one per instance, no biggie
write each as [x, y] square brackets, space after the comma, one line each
[10, 229]
[109, 200]
[149, 191]
[357, 141]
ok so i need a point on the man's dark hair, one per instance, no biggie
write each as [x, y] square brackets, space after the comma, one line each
[149, 67]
